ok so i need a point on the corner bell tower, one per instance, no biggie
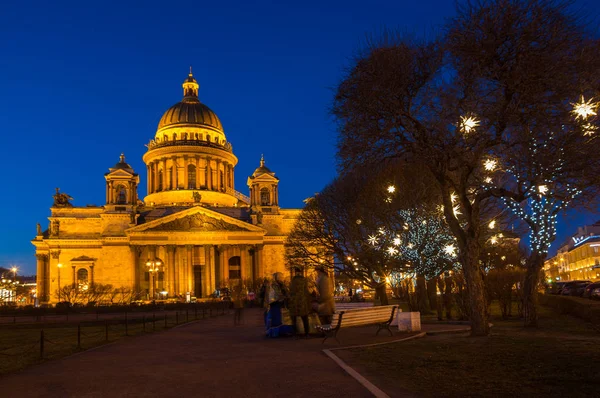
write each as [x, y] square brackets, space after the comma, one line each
[121, 187]
[264, 194]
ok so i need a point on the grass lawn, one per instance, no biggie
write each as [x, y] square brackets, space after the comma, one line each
[20, 344]
[561, 358]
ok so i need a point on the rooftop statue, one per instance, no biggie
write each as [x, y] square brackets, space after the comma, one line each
[62, 199]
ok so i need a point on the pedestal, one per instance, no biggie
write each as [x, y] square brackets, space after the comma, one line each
[409, 321]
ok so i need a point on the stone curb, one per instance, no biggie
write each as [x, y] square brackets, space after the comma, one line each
[448, 331]
[357, 376]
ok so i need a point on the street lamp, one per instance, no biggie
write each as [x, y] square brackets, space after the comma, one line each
[153, 268]
[14, 270]
[59, 265]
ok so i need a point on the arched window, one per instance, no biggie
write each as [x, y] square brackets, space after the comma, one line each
[191, 176]
[121, 192]
[235, 268]
[208, 138]
[217, 140]
[160, 180]
[265, 197]
[175, 137]
[82, 276]
[166, 138]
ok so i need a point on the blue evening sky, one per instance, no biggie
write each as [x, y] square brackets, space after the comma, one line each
[83, 81]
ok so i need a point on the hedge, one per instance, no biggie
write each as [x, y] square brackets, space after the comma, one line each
[585, 309]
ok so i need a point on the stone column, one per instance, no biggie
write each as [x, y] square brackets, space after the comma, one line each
[243, 261]
[185, 172]
[175, 182]
[54, 255]
[107, 192]
[165, 182]
[215, 264]
[170, 281]
[155, 168]
[136, 251]
[209, 179]
[197, 182]
[189, 255]
[218, 175]
[253, 264]
[41, 276]
[177, 273]
[148, 179]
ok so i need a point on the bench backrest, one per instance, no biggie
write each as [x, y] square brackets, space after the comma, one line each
[364, 316]
[348, 306]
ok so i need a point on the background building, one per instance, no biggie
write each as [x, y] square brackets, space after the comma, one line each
[578, 258]
[192, 233]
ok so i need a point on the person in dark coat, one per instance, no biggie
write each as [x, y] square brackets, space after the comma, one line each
[300, 300]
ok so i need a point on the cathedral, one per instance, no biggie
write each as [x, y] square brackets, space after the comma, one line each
[191, 234]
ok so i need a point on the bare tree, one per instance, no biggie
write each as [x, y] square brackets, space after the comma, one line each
[502, 69]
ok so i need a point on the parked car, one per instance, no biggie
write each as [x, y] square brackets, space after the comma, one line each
[574, 288]
[592, 290]
[556, 287]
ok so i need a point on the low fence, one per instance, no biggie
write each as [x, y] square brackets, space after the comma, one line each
[22, 344]
[585, 309]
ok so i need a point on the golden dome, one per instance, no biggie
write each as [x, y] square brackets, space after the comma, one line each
[190, 110]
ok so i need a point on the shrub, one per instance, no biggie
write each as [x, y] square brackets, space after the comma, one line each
[585, 309]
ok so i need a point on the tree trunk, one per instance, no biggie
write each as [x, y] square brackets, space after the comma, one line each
[433, 296]
[475, 289]
[422, 299]
[448, 296]
[532, 278]
[382, 294]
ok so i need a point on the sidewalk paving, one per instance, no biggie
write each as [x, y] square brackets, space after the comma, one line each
[208, 358]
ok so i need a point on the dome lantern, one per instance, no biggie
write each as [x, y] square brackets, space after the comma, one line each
[190, 88]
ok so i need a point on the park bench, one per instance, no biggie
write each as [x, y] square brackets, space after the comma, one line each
[381, 316]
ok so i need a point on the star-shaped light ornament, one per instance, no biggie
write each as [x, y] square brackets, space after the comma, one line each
[397, 242]
[372, 240]
[542, 189]
[584, 109]
[490, 164]
[391, 189]
[492, 224]
[468, 124]
[450, 250]
[487, 180]
[589, 129]
[381, 231]
[456, 210]
[493, 240]
[392, 250]
[453, 197]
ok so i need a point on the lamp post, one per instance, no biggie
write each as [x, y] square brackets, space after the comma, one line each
[153, 268]
[59, 265]
[14, 270]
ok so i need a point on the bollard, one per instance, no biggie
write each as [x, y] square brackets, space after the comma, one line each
[153, 321]
[79, 336]
[42, 344]
[106, 327]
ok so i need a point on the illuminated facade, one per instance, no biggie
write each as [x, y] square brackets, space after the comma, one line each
[193, 230]
[578, 258]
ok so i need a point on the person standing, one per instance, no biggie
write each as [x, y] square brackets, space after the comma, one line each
[275, 298]
[326, 301]
[238, 295]
[300, 300]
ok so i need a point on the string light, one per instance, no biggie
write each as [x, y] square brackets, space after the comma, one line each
[492, 224]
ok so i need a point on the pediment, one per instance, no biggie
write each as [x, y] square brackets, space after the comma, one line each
[197, 219]
[120, 173]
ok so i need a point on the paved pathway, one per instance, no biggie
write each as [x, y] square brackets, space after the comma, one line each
[209, 358]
